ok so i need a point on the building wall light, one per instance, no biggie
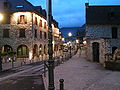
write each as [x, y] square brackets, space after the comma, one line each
[1, 17]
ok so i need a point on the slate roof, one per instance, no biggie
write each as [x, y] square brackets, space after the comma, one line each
[24, 5]
[27, 6]
[103, 15]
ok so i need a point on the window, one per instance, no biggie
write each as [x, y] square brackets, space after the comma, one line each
[114, 32]
[6, 33]
[36, 20]
[45, 35]
[41, 34]
[6, 5]
[6, 18]
[45, 25]
[113, 49]
[6, 48]
[22, 33]
[22, 20]
[35, 33]
[40, 24]
[22, 51]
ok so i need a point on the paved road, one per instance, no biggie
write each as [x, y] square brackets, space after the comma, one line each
[80, 74]
[24, 78]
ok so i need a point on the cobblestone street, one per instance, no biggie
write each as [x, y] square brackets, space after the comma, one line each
[80, 74]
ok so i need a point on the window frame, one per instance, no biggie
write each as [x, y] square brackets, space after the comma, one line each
[22, 33]
[6, 33]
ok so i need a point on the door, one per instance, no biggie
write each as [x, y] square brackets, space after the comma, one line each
[95, 47]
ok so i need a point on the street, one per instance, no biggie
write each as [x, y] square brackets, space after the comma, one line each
[28, 77]
[80, 74]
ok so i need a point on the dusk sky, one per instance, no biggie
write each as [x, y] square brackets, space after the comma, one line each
[71, 13]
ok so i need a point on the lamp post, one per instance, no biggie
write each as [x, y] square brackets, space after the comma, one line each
[1, 18]
[50, 47]
[70, 35]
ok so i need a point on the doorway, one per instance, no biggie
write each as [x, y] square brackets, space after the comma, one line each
[95, 48]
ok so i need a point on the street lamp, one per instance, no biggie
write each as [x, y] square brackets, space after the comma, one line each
[50, 47]
[1, 18]
[70, 35]
[63, 39]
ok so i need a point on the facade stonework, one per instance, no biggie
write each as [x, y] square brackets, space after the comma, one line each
[29, 41]
[103, 35]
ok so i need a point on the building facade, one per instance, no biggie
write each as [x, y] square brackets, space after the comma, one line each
[24, 29]
[102, 31]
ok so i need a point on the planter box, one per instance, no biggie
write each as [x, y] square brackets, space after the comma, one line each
[112, 65]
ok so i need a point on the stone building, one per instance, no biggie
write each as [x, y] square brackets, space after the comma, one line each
[24, 29]
[102, 31]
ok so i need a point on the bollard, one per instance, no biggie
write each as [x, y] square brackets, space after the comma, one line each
[61, 84]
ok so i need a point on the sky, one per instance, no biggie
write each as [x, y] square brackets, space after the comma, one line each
[71, 13]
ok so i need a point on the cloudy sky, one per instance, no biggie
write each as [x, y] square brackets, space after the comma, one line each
[71, 13]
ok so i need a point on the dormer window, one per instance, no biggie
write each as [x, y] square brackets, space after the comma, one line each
[22, 19]
[19, 6]
[111, 15]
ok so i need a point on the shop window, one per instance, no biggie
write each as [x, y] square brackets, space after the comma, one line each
[22, 51]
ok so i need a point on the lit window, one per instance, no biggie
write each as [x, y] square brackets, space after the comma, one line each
[22, 51]
[40, 24]
[36, 20]
[22, 20]
[45, 25]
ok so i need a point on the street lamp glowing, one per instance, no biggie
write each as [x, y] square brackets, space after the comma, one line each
[1, 17]
[77, 41]
[69, 34]
[63, 39]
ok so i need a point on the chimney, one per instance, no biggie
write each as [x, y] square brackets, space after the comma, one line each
[86, 4]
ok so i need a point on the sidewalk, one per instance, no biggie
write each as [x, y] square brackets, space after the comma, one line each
[80, 74]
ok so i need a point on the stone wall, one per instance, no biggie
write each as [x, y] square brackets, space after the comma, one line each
[102, 35]
[14, 40]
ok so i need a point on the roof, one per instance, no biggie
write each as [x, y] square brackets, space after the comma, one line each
[24, 5]
[103, 15]
[20, 5]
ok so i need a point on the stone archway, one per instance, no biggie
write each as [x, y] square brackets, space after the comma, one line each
[22, 51]
[35, 50]
[95, 49]
[6, 48]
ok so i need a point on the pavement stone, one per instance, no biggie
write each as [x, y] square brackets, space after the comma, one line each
[80, 74]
